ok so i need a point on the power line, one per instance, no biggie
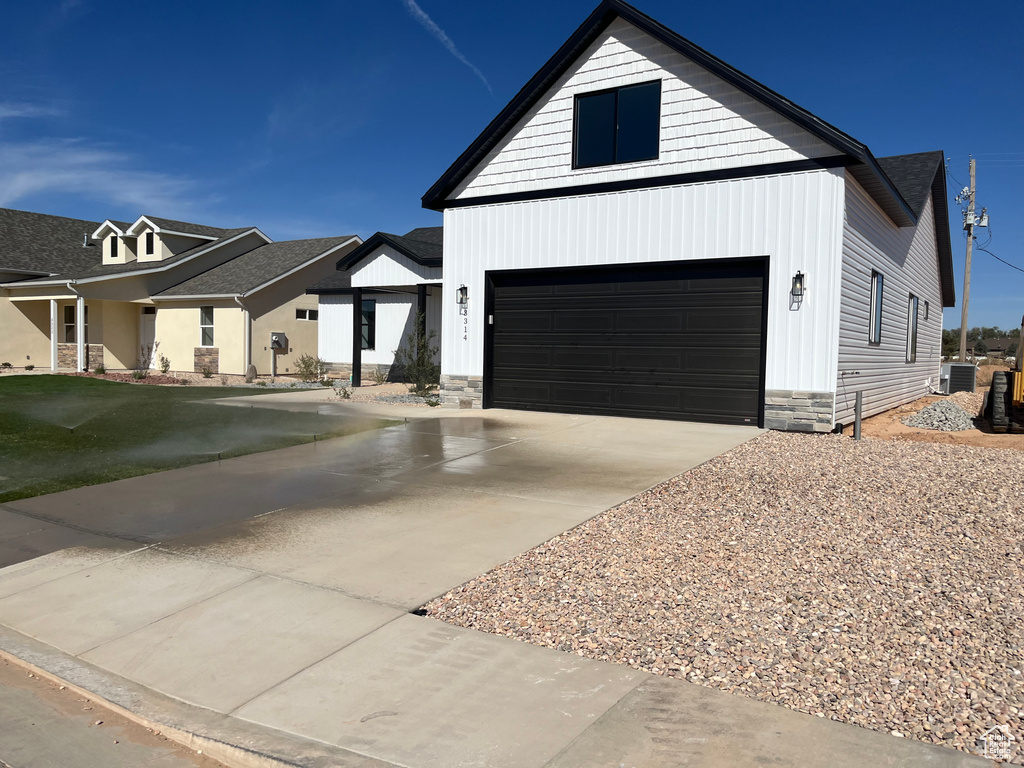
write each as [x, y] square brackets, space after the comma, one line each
[1012, 266]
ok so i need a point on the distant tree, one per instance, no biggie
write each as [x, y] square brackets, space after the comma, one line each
[980, 348]
[950, 342]
[974, 334]
[1011, 349]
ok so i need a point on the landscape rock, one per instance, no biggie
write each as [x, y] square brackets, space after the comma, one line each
[943, 415]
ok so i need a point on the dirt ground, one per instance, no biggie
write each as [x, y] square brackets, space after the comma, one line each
[890, 426]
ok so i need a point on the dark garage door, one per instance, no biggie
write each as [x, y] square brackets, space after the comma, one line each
[677, 341]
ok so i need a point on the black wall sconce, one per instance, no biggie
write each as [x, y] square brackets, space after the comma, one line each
[799, 285]
[462, 297]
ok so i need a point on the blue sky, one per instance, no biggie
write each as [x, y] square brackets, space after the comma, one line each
[319, 118]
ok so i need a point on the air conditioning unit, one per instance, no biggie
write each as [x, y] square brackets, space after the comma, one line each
[957, 377]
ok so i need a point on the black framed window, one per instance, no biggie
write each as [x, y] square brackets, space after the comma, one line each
[369, 323]
[912, 329]
[875, 320]
[149, 243]
[307, 314]
[113, 246]
[621, 125]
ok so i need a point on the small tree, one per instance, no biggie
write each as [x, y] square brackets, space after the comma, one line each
[980, 348]
[415, 359]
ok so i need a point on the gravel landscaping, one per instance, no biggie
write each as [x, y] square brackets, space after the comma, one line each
[942, 415]
[873, 582]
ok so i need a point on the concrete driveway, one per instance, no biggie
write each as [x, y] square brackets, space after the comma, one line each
[274, 591]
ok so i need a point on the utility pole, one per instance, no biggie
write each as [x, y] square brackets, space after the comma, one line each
[969, 226]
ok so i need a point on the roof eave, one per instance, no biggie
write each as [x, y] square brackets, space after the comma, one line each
[940, 209]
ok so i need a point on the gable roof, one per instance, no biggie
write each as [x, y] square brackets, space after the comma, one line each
[256, 268]
[917, 176]
[863, 165]
[41, 244]
[424, 245]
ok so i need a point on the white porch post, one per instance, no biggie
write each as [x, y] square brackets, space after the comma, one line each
[80, 330]
[54, 320]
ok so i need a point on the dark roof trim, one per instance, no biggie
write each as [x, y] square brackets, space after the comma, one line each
[940, 206]
[397, 242]
[874, 179]
[364, 291]
[674, 180]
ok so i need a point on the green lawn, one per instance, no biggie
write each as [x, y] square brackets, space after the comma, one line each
[60, 432]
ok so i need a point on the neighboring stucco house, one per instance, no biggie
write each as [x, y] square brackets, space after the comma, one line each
[75, 294]
[646, 231]
[392, 279]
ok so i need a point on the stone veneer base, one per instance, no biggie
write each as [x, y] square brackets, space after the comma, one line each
[798, 411]
[67, 356]
[462, 391]
[206, 357]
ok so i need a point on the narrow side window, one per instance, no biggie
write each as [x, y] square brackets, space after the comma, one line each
[875, 322]
[912, 329]
[206, 326]
[149, 243]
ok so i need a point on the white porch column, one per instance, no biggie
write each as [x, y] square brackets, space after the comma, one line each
[80, 330]
[54, 325]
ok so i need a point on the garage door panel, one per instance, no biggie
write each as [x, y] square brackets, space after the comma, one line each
[682, 341]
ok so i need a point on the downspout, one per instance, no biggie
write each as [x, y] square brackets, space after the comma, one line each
[247, 319]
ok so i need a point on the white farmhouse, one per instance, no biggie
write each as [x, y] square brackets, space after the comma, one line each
[646, 231]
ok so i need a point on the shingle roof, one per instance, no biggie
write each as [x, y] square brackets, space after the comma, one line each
[917, 176]
[912, 175]
[96, 269]
[424, 245]
[187, 227]
[254, 268]
[337, 282]
[38, 242]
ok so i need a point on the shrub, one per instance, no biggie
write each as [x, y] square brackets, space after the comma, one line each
[260, 383]
[207, 372]
[416, 360]
[6, 365]
[310, 368]
[139, 374]
[326, 383]
[344, 393]
[146, 352]
[99, 370]
[380, 375]
[30, 367]
[165, 364]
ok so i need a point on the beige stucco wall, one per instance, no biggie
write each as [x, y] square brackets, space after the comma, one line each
[25, 336]
[120, 328]
[273, 310]
[177, 331]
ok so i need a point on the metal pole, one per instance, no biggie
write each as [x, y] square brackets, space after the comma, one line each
[857, 409]
[1020, 344]
[967, 269]
[357, 337]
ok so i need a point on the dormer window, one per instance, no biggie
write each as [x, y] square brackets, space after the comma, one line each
[113, 246]
[149, 243]
[617, 126]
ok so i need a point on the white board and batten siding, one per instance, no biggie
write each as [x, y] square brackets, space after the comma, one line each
[387, 267]
[907, 260]
[795, 219]
[706, 123]
[395, 314]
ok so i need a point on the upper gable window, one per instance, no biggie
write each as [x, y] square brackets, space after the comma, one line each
[113, 246]
[149, 243]
[617, 126]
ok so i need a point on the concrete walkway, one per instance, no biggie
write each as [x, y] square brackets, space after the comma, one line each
[290, 634]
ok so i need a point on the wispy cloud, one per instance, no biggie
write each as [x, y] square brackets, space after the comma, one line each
[78, 167]
[428, 24]
[12, 109]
